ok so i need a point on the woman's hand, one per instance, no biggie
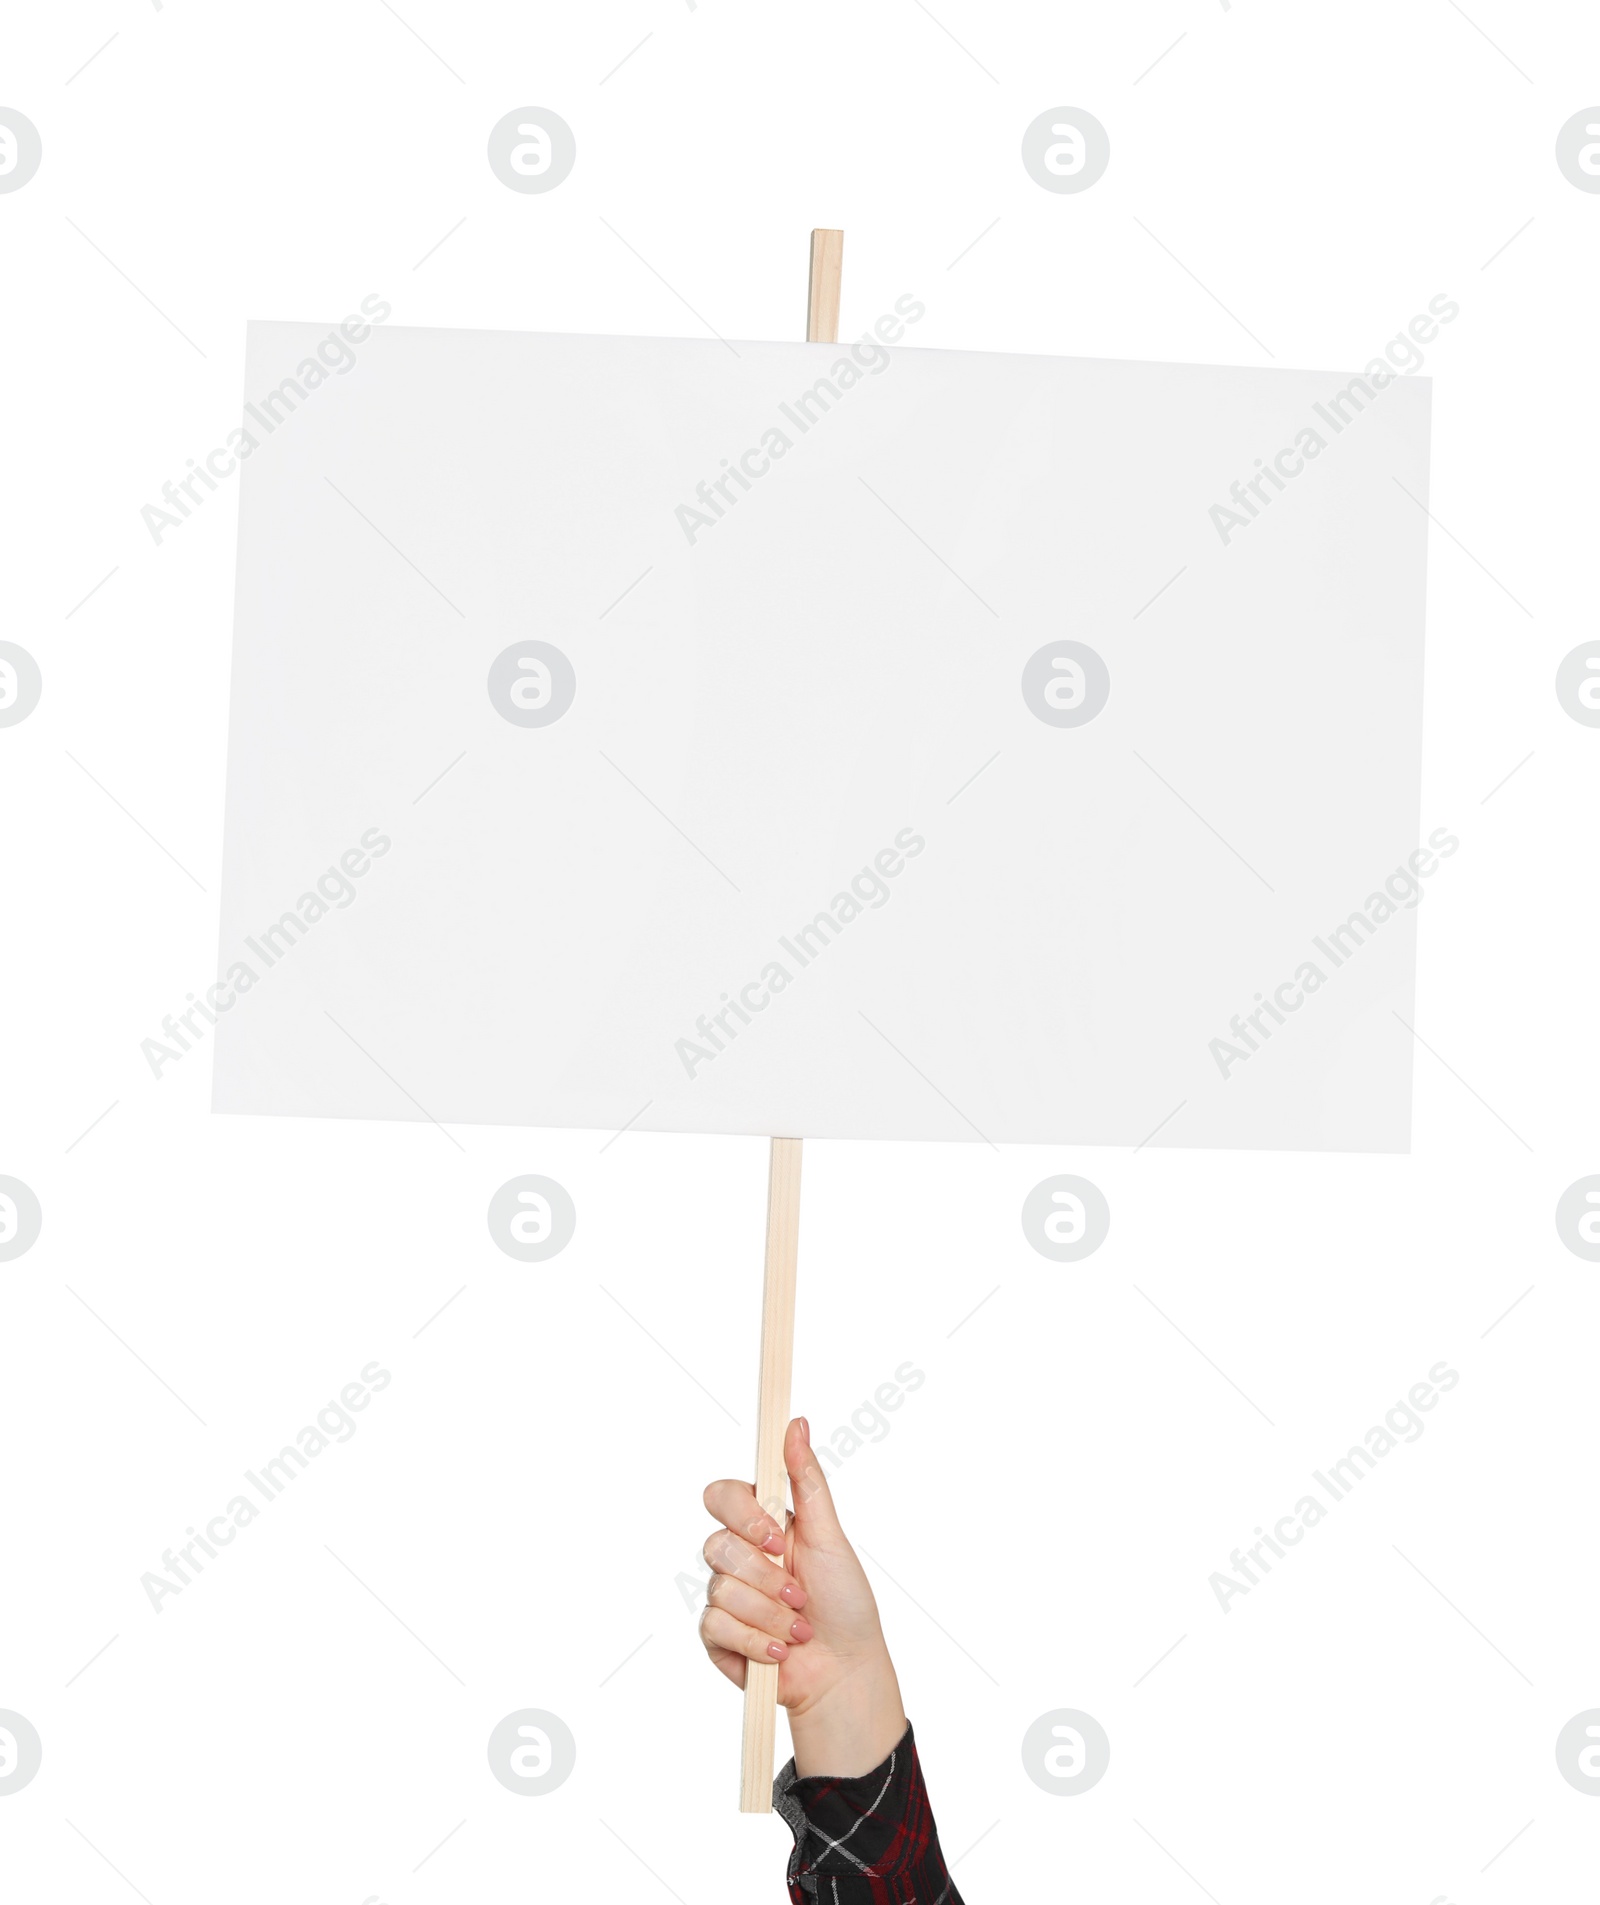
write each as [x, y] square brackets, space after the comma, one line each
[798, 1596]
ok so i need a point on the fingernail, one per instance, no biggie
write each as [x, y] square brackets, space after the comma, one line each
[777, 1649]
[795, 1596]
[773, 1544]
[802, 1630]
[805, 1430]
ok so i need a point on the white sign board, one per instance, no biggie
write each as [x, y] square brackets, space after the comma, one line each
[837, 741]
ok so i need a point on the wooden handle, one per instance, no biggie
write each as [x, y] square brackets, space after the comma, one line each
[822, 300]
[777, 1362]
[783, 1235]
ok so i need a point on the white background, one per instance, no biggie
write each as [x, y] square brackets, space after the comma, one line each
[1047, 1508]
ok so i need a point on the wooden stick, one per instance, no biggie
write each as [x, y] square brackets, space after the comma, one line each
[822, 301]
[783, 1235]
[777, 1360]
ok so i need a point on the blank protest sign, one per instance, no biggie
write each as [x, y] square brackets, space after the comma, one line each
[688, 899]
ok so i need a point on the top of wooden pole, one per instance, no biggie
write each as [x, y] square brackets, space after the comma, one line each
[822, 300]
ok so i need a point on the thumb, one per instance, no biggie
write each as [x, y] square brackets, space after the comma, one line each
[814, 1512]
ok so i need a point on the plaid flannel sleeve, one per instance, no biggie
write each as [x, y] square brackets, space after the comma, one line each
[866, 1841]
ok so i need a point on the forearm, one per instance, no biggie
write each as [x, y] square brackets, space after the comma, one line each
[867, 1840]
[853, 1727]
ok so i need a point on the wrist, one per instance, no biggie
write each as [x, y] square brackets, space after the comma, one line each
[851, 1728]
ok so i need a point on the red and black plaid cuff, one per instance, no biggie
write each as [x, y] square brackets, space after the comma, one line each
[866, 1841]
